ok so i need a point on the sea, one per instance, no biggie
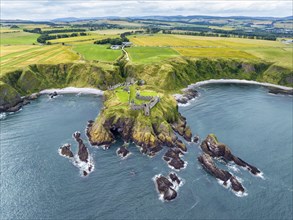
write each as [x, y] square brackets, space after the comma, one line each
[38, 183]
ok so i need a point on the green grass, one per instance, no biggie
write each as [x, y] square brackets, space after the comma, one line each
[150, 54]
[14, 38]
[122, 95]
[97, 52]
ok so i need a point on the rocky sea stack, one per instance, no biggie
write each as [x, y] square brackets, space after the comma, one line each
[148, 131]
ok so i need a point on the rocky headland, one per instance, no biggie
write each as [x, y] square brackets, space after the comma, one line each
[150, 133]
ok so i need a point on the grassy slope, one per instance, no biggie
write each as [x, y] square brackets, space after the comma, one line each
[97, 52]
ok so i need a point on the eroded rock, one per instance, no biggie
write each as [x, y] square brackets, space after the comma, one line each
[82, 149]
[209, 165]
[66, 151]
[214, 148]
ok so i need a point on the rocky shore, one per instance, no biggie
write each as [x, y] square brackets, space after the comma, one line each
[188, 94]
[18, 103]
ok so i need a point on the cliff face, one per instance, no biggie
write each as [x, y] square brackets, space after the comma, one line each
[38, 77]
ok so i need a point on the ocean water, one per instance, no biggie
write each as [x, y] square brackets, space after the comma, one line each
[37, 183]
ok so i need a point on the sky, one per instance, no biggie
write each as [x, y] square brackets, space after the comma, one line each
[50, 9]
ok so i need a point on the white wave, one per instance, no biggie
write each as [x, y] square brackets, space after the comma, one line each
[184, 105]
[73, 90]
[240, 194]
[260, 175]
[88, 166]
[237, 81]
[3, 115]
[221, 182]
[233, 167]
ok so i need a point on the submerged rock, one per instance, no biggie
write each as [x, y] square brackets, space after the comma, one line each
[209, 165]
[212, 147]
[66, 151]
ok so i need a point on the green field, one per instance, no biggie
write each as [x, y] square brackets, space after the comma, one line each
[97, 52]
[21, 37]
[210, 47]
[150, 54]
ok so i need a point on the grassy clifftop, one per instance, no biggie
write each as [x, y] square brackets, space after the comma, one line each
[174, 74]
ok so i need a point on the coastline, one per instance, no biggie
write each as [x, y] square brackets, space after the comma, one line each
[73, 90]
[190, 93]
[235, 81]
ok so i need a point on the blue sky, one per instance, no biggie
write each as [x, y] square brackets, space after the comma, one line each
[50, 9]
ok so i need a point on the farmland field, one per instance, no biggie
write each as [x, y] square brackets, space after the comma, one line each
[215, 47]
[97, 52]
[21, 37]
[150, 54]
[14, 57]
[74, 40]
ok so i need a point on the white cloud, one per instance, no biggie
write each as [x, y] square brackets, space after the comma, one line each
[50, 9]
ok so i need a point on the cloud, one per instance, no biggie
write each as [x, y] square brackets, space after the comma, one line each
[50, 9]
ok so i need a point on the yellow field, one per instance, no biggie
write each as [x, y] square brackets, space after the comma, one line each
[14, 57]
[78, 39]
[113, 31]
[214, 53]
[198, 41]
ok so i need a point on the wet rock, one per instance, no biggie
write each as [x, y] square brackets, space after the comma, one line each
[196, 139]
[66, 151]
[85, 173]
[172, 157]
[52, 95]
[14, 108]
[236, 185]
[209, 165]
[174, 178]
[274, 90]
[82, 149]
[122, 151]
[164, 187]
[187, 95]
[180, 145]
[214, 148]
[33, 96]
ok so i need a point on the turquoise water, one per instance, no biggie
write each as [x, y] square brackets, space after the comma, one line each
[37, 183]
